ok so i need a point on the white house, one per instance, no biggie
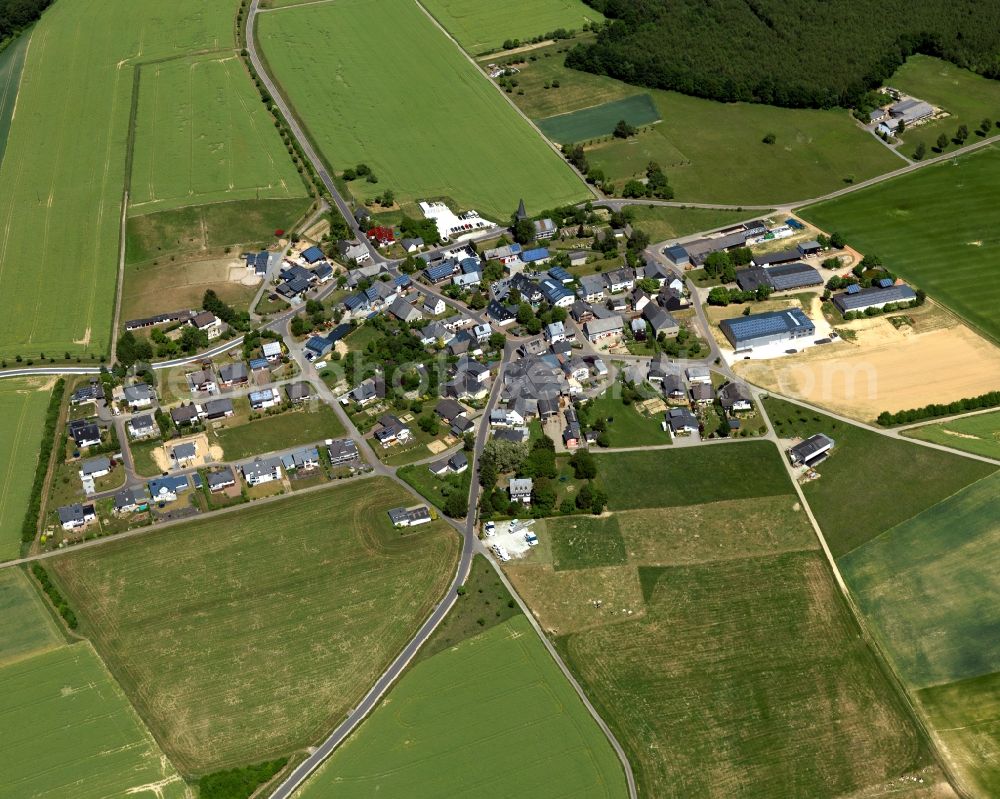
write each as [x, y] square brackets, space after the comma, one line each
[261, 470]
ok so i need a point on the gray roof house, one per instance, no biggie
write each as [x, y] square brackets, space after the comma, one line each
[681, 420]
[95, 467]
[520, 489]
[221, 479]
[139, 396]
[660, 320]
[404, 311]
[735, 397]
[261, 470]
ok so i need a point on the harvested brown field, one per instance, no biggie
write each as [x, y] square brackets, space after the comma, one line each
[935, 360]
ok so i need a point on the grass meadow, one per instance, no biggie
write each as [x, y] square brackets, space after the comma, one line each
[627, 426]
[427, 123]
[480, 27]
[307, 425]
[60, 215]
[979, 434]
[203, 136]
[69, 731]
[964, 95]
[208, 228]
[711, 152]
[22, 414]
[26, 626]
[247, 637]
[11, 64]
[932, 227]
[930, 586]
[665, 222]
[491, 716]
[691, 476]
[600, 120]
[851, 498]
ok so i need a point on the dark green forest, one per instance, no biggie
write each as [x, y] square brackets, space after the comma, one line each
[15, 15]
[794, 53]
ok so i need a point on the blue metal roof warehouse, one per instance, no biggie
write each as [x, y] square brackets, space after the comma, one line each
[757, 330]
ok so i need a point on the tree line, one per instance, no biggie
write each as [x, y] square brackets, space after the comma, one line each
[988, 400]
[793, 53]
[16, 15]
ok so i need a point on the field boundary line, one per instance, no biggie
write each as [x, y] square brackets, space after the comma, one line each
[601, 723]
[909, 519]
[904, 428]
[591, 189]
[867, 634]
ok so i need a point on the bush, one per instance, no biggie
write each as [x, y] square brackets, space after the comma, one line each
[239, 783]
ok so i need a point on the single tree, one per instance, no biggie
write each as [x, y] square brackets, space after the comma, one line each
[920, 152]
[962, 133]
[770, 138]
[623, 130]
[942, 141]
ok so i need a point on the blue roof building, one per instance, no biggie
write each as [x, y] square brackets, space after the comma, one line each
[560, 274]
[312, 255]
[357, 302]
[756, 330]
[403, 281]
[556, 293]
[678, 255]
[469, 265]
[258, 363]
[318, 346]
[439, 272]
[166, 489]
[537, 255]
[875, 297]
[338, 333]
[257, 261]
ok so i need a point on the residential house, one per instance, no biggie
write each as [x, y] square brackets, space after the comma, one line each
[129, 500]
[216, 409]
[640, 299]
[234, 374]
[699, 374]
[501, 315]
[73, 517]
[322, 273]
[263, 399]
[535, 257]
[581, 312]
[450, 410]
[167, 489]
[139, 396]
[221, 479]
[505, 255]
[208, 323]
[735, 398]
[516, 435]
[434, 306]
[411, 245]
[341, 451]
[367, 392]
[702, 393]
[435, 334]
[619, 280]
[654, 270]
[272, 350]
[592, 288]
[466, 279]
[301, 460]
[312, 255]
[660, 320]
[298, 392]
[391, 431]
[440, 272]
[601, 329]
[381, 236]
[560, 274]
[92, 392]
[183, 454]
[680, 421]
[84, 432]
[482, 333]
[261, 470]
[555, 293]
[142, 426]
[545, 229]
[184, 414]
[555, 331]
[572, 433]
[639, 330]
[520, 489]
[93, 468]
[577, 257]
[353, 251]
[203, 382]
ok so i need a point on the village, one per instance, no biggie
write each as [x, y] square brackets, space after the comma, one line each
[585, 336]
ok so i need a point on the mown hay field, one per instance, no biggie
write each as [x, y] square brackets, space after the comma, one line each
[22, 414]
[402, 98]
[479, 26]
[245, 637]
[26, 627]
[870, 482]
[708, 631]
[203, 136]
[60, 215]
[489, 717]
[979, 434]
[933, 227]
